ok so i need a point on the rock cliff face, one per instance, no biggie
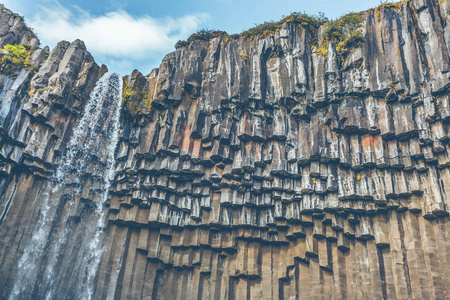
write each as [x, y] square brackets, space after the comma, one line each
[245, 168]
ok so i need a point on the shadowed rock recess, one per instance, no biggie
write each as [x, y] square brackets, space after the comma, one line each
[271, 167]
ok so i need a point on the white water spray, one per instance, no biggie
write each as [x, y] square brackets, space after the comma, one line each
[91, 150]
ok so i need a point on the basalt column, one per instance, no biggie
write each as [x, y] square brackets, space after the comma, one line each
[294, 164]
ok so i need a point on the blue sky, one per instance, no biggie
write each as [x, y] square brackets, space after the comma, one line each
[126, 35]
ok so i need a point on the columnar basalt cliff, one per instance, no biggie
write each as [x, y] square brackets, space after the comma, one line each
[276, 166]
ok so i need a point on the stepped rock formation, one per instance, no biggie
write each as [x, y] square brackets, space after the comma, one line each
[246, 168]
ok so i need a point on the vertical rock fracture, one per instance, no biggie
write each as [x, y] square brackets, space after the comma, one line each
[308, 160]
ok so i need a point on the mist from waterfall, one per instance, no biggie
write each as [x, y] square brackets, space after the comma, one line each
[61, 259]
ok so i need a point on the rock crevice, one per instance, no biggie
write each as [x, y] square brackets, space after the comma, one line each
[254, 167]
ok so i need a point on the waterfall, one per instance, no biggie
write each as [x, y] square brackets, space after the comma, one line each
[62, 257]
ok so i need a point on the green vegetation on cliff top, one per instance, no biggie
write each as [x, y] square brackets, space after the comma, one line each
[203, 35]
[312, 23]
[264, 30]
[345, 33]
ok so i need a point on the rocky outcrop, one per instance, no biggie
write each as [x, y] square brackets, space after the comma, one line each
[258, 167]
[39, 108]
[14, 31]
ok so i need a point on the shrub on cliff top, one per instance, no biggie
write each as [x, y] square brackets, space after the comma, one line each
[203, 35]
[14, 56]
[345, 33]
[301, 19]
[388, 6]
[262, 30]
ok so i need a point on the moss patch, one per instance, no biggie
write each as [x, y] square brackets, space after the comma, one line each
[345, 33]
[397, 6]
[136, 102]
[14, 57]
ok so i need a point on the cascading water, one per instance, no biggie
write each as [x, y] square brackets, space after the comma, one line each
[61, 259]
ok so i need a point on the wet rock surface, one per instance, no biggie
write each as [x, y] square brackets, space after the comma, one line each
[255, 168]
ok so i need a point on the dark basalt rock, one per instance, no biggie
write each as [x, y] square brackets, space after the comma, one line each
[14, 31]
[253, 168]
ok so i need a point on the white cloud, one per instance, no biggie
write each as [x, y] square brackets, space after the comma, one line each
[116, 33]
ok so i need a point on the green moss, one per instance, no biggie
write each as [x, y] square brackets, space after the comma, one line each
[345, 33]
[17, 57]
[180, 44]
[45, 89]
[352, 41]
[243, 54]
[135, 101]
